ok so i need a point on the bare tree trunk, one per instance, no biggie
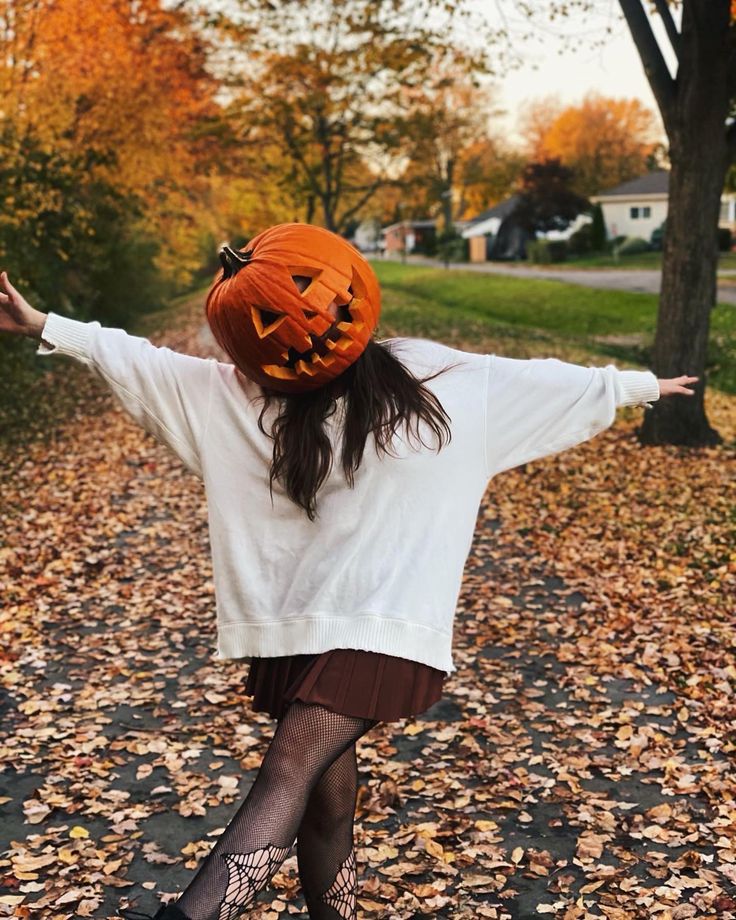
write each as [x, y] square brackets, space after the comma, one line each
[310, 209]
[694, 108]
[689, 266]
[328, 213]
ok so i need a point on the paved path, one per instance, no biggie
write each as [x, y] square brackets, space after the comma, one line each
[538, 780]
[640, 280]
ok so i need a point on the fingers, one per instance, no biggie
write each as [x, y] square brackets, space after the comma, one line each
[686, 379]
[6, 287]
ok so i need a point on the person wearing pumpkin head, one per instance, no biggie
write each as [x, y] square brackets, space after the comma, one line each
[343, 478]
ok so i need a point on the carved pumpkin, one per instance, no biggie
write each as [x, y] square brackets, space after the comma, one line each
[282, 338]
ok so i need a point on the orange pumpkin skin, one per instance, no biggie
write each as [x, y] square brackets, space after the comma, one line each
[271, 331]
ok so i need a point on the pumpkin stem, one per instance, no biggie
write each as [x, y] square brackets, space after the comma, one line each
[233, 261]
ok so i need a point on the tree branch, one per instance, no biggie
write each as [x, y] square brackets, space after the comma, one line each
[665, 14]
[373, 188]
[663, 86]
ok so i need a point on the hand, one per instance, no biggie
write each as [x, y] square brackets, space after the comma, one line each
[676, 385]
[17, 316]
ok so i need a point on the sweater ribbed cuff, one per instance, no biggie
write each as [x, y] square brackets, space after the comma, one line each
[67, 336]
[639, 388]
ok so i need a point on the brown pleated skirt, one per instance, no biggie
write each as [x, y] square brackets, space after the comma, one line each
[353, 682]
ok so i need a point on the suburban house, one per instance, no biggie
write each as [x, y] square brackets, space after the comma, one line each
[367, 235]
[638, 207]
[407, 236]
[482, 231]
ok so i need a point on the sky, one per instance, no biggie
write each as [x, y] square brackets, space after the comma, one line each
[611, 69]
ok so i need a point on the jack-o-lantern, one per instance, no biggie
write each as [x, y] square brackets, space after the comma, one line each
[280, 336]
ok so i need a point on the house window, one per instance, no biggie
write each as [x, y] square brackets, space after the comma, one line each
[634, 213]
[646, 212]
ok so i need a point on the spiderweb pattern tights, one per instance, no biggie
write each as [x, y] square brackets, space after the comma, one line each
[305, 789]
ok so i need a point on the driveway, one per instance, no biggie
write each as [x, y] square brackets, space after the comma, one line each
[639, 280]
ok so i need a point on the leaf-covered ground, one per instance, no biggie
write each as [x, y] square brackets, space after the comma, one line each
[580, 765]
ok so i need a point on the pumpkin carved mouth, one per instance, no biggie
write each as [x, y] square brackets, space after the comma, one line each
[318, 355]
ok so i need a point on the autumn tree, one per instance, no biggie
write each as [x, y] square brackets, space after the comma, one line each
[604, 141]
[447, 116]
[101, 157]
[547, 200]
[696, 104]
[328, 84]
[489, 170]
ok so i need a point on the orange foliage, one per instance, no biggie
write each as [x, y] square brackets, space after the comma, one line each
[125, 83]
[120, 78]
[605, 141]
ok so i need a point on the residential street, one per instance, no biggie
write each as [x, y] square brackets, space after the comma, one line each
[641, 280]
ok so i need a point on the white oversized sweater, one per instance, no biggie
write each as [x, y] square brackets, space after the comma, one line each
[380, 569]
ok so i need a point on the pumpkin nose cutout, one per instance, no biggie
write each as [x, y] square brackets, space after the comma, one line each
[233, 261]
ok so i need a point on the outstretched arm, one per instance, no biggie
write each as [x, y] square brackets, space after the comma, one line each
[541, 406]
[166, 392]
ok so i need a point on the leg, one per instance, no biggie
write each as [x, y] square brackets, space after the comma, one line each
[324, 845]
[258, 838]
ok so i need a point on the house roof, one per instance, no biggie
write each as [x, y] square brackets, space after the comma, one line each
[502, 209]
[414, 224]
[652, 183]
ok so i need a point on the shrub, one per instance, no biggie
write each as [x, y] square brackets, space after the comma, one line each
[451, 247]
[545, 251]
[581, 242]
[656, 240]
[725, 239]
[598, 230]
[632, 246]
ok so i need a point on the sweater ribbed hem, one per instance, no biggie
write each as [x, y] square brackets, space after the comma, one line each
[310, 635]
[68, 336]
[639, 387]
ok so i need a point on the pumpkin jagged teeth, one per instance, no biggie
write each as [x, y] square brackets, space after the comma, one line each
[302, 367]
[357, 308]
[284, 373]
[285, 355]
[330, 344]
[344, 343]
[343, 327]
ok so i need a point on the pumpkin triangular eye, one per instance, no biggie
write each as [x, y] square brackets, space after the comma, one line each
[302, 282]
[268, 317]
[266, 321]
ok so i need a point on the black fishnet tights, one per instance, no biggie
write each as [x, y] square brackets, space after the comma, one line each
[324, 845]
[308, 741]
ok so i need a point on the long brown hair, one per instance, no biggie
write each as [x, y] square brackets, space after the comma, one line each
[381, 396]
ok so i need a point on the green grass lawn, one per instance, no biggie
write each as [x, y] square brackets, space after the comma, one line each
[522, 317]
[726, 262]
